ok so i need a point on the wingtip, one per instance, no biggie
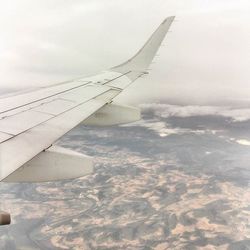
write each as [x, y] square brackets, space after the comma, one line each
[168, 19]
[142, 59]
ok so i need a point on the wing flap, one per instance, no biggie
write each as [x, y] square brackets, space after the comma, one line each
[23, 121]
[84, 93]
[55, 107]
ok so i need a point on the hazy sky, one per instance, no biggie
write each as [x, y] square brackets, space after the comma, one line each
[205, 60]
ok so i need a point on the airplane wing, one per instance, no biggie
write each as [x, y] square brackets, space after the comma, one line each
[30, 123]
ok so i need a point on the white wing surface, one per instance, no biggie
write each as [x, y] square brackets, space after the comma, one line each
[31, 122]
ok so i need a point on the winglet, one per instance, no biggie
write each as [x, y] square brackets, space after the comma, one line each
[143, 58]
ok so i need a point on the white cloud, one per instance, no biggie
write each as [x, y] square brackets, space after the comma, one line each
[166, 110]
[243, 142]
[161, 128]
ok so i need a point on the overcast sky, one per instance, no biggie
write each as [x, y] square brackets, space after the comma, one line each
[205, 60]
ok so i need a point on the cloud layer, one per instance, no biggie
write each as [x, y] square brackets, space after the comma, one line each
[166, 110]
